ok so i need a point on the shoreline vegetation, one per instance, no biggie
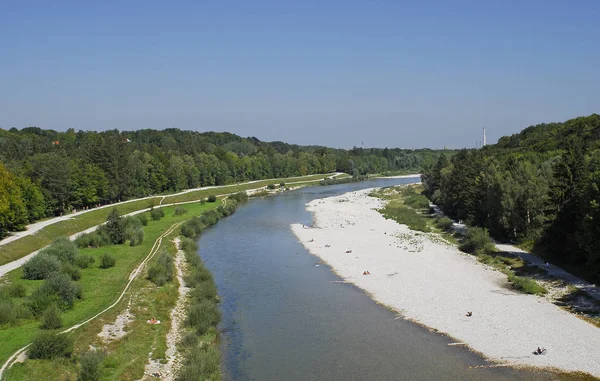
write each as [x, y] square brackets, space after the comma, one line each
[75, 223]
[357, 234]
[116, 343]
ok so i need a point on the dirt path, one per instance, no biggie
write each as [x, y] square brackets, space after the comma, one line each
[133, 275]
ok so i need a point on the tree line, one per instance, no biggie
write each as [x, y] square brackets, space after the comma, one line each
[539, 187]
[45, 173]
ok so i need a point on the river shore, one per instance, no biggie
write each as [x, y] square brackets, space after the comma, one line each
[432, 283]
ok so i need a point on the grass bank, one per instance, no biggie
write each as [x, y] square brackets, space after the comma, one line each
[100, 288]
[28, 244]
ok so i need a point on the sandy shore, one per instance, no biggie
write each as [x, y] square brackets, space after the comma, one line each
[434, 284]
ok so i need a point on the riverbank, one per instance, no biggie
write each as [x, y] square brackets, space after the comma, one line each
[430, 282]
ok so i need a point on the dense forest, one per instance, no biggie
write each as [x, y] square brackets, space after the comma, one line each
[45, 173]
[539, 187]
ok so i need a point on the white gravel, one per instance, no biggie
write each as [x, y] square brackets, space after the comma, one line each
[434, 284]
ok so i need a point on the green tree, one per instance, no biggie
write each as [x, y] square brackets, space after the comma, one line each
[115, 227]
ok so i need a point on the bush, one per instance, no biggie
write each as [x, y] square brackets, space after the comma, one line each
[239, 197]
[271, 186]
[61, 286]
[12, 290]
[83, 261]
[444, 223]
[71, 271]
[50, 345]
[8, 313]
[162, 271]
[417, 201]
[205, 290]
[189, 340]
[51, 318]
[203, 315]
[203, 201]
[202, 363]
[477, 241]
[136, 238]
[90, 366]
[143, 217]
[197, 276]
[107, 261]
[212, 198]
[282, 184]
[188, 245]
[115, 227]
[62, 249]
[157, 214]
[41, 266]
[526, 285]
[95, 239]
[180, 210]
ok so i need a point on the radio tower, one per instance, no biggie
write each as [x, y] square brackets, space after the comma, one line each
[484, 139]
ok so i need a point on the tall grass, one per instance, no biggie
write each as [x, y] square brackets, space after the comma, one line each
[398, 212]
[477, 241]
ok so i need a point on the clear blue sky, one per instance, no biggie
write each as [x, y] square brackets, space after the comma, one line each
[338, 73]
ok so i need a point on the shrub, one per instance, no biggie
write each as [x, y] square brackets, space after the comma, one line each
[206, 290]
[162, 271]
[477, 241]
[189, 340]
[83, 261]
[202, 363]
[239, 197]
[417, 201]
[41, 266]
[271, 186]
[8, 314]
[12, 290]
[115, 226]
[71, 271]
[157, 214]
[62, 249]
[197, 276]
[107, 261]
[51, 318]
[95, 239]
[212, 198]
[526, 285]
[136, 238]
[143, 217]
[61, 286]
[50, 345]
[282, 184]
[180, 210]
[203, 315]
[443, 223]
[90, 366]
[188, 245]
[203, 201]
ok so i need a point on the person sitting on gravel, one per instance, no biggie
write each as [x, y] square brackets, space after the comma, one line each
[469, 313]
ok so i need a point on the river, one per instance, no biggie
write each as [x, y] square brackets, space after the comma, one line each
[285, 317]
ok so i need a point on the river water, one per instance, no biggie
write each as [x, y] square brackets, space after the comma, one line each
[286, 318]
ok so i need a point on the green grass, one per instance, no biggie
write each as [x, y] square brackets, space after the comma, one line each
[196, 195]
[399, 212]
[26, 245]
[526, 285]
[100, 286]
